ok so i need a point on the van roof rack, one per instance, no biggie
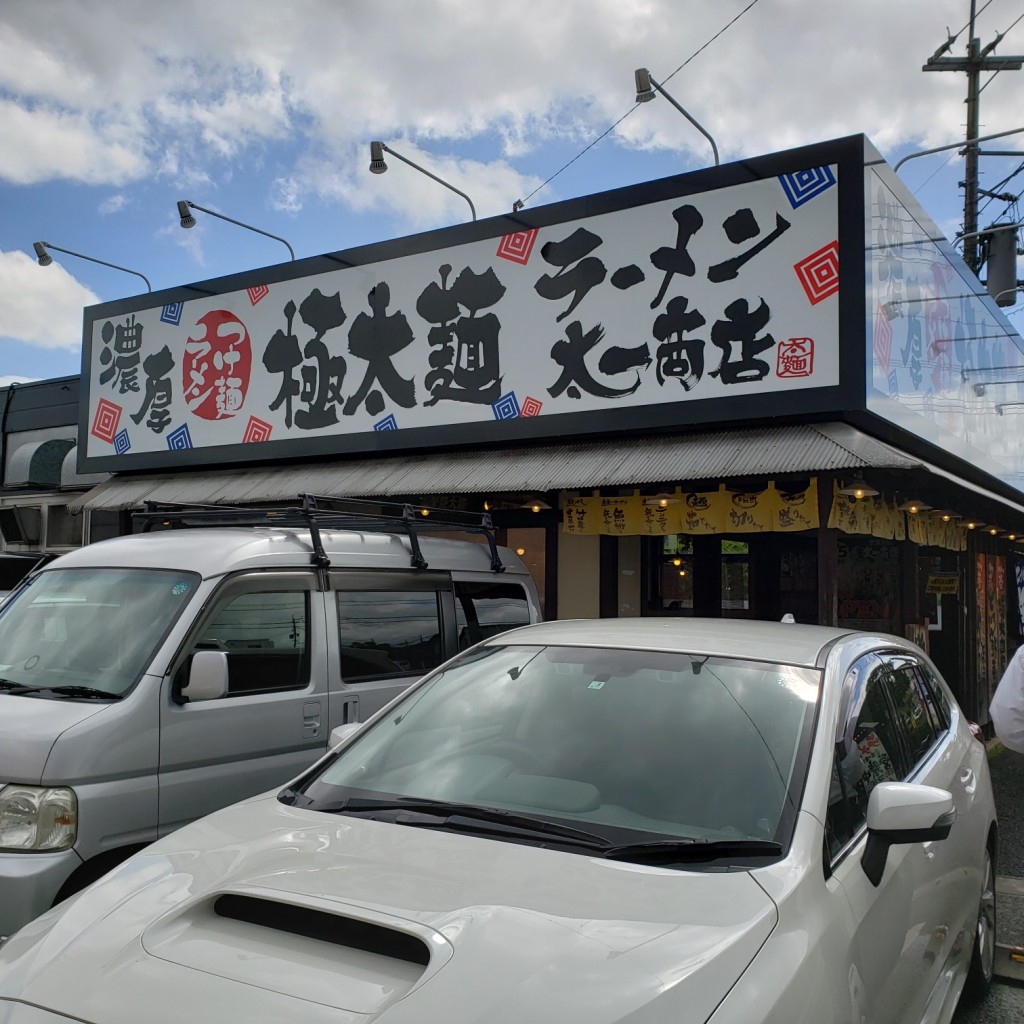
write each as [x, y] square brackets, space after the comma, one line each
[318, 512]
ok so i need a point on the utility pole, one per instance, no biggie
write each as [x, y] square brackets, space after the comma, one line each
[978, 59]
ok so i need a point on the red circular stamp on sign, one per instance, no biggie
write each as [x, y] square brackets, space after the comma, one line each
[217, 366]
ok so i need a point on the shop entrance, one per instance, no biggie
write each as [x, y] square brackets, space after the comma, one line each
[751, 576]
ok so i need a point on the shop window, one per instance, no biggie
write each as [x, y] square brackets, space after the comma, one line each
[735, 579]
[529, 544]
[63, 530]
[869, 584]
[104, 524]
[673, 578]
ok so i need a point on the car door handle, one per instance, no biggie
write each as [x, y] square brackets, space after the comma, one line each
[968, 779]
[311, 719]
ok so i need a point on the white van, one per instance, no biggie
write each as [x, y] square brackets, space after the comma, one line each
[148, 680]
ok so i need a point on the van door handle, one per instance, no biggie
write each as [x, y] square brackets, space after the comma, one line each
[349, 710]
[311, 719]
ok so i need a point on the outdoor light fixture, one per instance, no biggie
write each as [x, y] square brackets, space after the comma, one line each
[913, 507]
[378, 166]
[858, 488]
[535, 505]
[45, 259]
[972, 370]
[645, 86]
[662, 500]
[979, 389]
[185, 206]
[973, 524]
[893, 309]
[945, 515]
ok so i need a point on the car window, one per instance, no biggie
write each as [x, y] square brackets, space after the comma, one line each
[637, 741]
[483, 609]
[913, 715]
[935, 697]
[388, 633]
[95, 627]
[265, 635]
[869, 754]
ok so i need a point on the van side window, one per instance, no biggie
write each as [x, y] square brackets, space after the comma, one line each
[387, 633]
[265, 634]
[484, 609]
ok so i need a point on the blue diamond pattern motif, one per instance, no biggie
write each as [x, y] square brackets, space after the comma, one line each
[506, 407]
[388, 423]
[802, 186]
[122, 442]
[179, 439]
[171, 313]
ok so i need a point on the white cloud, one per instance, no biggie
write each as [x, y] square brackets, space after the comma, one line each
[97, 93]
[7, 381]
[286, 194]
[113, 204]
[41, 306]
[421, 202]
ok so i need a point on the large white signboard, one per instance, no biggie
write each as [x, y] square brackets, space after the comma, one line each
[726, 293]
[945, 363]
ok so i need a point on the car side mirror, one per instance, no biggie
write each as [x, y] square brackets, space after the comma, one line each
[340, 734]
[902, 812]
[207, 676]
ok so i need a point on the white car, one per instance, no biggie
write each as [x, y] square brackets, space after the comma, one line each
[645, 820]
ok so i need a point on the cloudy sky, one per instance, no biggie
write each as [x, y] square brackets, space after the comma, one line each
[112, 110]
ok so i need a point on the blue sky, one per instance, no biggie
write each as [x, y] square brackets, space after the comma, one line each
[112, 110]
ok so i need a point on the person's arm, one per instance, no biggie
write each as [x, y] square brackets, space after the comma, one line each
[1007, 707]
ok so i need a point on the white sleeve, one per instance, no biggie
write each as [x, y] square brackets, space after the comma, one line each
[1007, 707]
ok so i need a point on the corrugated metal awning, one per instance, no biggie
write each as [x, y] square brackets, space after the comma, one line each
[582, 464]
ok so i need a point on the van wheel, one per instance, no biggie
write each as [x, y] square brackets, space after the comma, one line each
[983, 956]
[96, 868]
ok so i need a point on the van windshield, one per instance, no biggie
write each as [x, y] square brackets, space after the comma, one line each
[93, 628]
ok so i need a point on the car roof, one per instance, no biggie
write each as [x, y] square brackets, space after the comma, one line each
[215, 551]
[780, 642]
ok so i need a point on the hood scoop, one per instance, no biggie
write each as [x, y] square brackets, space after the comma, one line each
[333, 954]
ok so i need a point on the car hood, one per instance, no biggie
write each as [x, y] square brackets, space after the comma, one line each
[29, 727]
[272, 913]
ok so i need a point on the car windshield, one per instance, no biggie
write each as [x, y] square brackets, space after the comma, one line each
[632, 746]
[82, 630]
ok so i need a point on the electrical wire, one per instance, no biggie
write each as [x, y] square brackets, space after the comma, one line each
[520, 203]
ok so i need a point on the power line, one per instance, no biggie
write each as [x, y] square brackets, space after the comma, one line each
[520, 203]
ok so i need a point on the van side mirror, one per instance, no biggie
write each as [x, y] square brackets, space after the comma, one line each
[901, 812]
[207, 676]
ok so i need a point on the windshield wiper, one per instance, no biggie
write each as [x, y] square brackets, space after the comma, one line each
[13, 687]
[81, 691]
[61, 691]
[459, 817]
[673, 850]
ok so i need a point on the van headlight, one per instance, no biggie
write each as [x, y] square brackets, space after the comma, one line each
[37, 818]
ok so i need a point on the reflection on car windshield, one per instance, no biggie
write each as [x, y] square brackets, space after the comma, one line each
[659, 743]
[88, 628]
